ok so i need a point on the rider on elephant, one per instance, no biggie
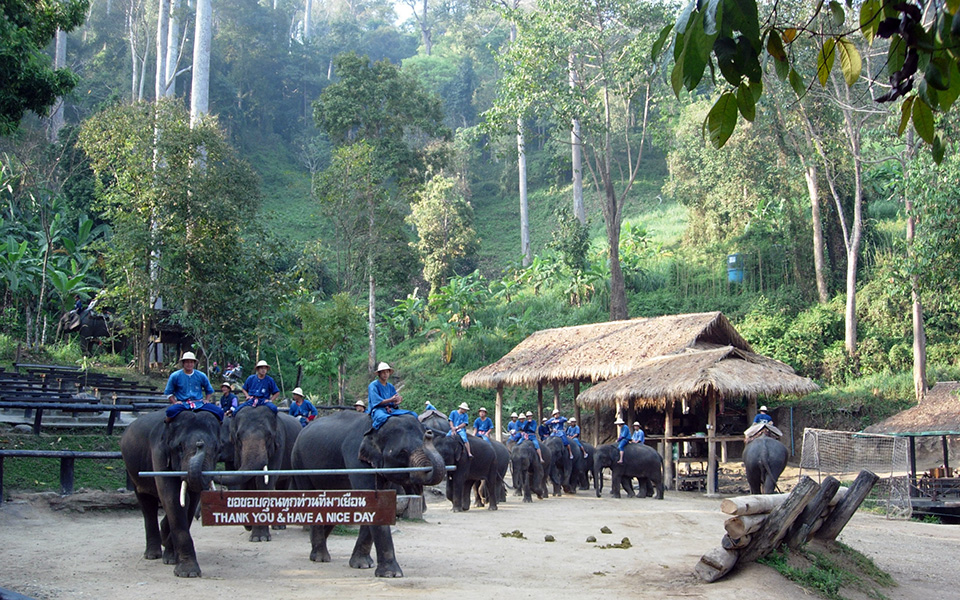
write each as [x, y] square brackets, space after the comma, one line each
[623, 439]
[513, 425]
[189, 389]
[528, 431]
[360, 406]
[383, 401]
[558, 428]
[229, 400]
[260, 388]
[458, 425]
[302, 408]
[573, 433]
[638, 436]
[482, 425]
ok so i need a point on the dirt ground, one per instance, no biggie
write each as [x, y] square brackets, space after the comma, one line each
[98, 554]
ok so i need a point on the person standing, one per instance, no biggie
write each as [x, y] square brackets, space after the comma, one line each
[302, 408]
[623, 439]
[189, 389]
[482, 425]
[260, 388]
[637, 437]
[383, 401]
[228, 400]
[458, 425]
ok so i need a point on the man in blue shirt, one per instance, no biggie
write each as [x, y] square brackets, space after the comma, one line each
[260, 388]
[762, 416]
[557, 428]
[383, 401]
[482, 425]
[302, 408]
[637, 437]
[228, 400]
[512, 426]
[528, 431]
[624, 438]
[573, 433]
[517, 434]
[189, 389]
[458, 425]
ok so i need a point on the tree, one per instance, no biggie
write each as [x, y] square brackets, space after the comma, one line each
[609, 41]
[443, 219]
[28, 81]
[329, 330]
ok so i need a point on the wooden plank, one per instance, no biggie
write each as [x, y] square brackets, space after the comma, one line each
[715, 564]
[800, 531]
[711, 444]
[667, 446]
[843, 511]
[780, 520]
[312, 507]
[752, 505]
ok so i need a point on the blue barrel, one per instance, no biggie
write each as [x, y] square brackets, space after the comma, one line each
[735, 268]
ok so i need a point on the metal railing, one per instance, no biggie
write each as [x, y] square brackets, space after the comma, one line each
[287, 472]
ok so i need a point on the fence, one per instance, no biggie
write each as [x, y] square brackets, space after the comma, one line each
[843, 454]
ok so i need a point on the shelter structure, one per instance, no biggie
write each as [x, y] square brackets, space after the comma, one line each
[689, 357]
[937, 416]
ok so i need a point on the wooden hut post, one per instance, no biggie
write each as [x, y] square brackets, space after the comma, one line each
[539, 401]
[711, 442]
[498, 414]
[668, 445]
[631, 413]
[751, 410]
[556, 397]
[596, 426]
[576, 407]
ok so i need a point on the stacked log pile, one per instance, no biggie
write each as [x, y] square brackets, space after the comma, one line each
[759, 524]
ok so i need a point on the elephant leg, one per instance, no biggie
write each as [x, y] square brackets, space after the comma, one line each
[627, 483]
[148, 506]
[490, 487]
[478, 492]
[187, 565]
[753, 479]
[770, 484]
[169, 552]
[615, 483]
[527, 482]
[360, 559]
[318, 543]
[387, 565]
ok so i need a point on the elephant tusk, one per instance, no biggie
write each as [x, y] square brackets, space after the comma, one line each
[183, 494]
[213, 486]
[266, 478]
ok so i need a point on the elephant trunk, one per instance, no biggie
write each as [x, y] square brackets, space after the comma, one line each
[427, 456]
[597, 475]
[197, 462]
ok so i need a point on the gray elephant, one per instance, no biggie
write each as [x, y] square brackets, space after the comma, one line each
[89, 325]
[582, 466]
[639, 460]
[481, 490]
[559, 467]
[261, 439]
[764, 459]
[191, 443]
[481, 468]
[435, 421]
[529, 474]
[347, 441]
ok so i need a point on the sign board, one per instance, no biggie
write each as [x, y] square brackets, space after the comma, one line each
[311, 507]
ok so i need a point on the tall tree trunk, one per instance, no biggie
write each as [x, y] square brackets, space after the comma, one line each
[307, 24]
[576, 157]
[372, 290]
[163, 23]
[200, 87]
[613, 215]
[525, 249]
[172, 56]
[813, 190]
[916, 307]
[56, 114]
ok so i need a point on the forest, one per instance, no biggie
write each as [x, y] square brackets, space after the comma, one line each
[329, 184]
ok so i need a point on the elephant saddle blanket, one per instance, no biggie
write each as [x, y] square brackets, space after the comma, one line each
[760, 430]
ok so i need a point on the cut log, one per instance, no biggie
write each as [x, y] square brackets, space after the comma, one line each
[730, 543]
[800, 531]
[779, 521]
[752, 505]
[843, 511]
[840, 495]
[715, 564]
[740, 526]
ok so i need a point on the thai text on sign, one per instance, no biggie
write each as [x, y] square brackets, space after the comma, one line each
[357, 507]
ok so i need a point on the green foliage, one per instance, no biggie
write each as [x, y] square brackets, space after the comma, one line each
[329, 333]
[42, 474]
[571, 240]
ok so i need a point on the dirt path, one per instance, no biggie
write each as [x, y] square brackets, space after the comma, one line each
[50, 554]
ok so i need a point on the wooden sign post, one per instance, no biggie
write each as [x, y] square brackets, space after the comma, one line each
[329, 507]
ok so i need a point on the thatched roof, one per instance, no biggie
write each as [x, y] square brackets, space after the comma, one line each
[603, 350]
[938, 414]
[695, 373]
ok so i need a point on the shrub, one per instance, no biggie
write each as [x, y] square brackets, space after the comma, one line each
[900, 357]
[838, 367]
[808, 336]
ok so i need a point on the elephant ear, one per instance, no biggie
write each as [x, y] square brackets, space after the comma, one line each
[162, 452]
[370, 450]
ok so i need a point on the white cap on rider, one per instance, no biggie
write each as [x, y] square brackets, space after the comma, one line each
[572, 420]
[513, 415]
[529, 414]
[522, 416]
[464, 406]
[262, 363]
[298, 392]
[556, 411]
[481, 409]
[763, 409]
[619, 421]
[636, 423]
[384, 367]
[360, 403]
[226, 384]
[188, 356]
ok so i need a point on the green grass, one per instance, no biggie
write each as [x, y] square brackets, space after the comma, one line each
[41, 474]
[830, 571]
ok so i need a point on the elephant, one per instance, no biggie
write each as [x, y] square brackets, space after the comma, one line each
[639, 460]
[764, 459]
[88, 325]
[261, 439]
[529, 474]
[435, 421]
[481, 490]
[346, 440]
[191, 443]
[559, 467]
[582, 467]
[481, 468]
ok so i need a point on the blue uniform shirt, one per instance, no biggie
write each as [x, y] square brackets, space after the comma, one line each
[483, 426]
[624, 434]
[457, 418]
[556, 425]
[513, 426]
[261, 389]
[763, 418]
[573, 431]
[378, 392]
[637, 436]
[183, 387]
[303, 411]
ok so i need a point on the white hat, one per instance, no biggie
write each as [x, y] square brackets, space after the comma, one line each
[636, 423]
[522, 416]
[619, 421]
[188, 356]
[226, 384]
[572, 420]
[481, 409]
[262, 363]
[464, 406]
[513, 415]
[529, 414]
[763, 409]
[556, 411]
[297, 392]
[359, 403]
[384, 367]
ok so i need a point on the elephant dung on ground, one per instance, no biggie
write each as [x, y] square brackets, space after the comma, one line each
[347, 441]
[191, 443]
[639, 460]
[261, 439]
[764, 460]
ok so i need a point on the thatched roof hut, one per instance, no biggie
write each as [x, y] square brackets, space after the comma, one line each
[938, 414]
[602, 351]
[696, 373]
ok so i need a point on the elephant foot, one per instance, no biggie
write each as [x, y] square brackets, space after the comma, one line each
[528, 499]
[492, 507]
[152, 553]
[187, 569]
[278, 527]
[260, 538]
[320, 555]
[391, 569]
[365, 562]
[169, 557]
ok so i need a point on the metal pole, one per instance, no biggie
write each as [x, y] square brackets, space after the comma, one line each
[292, 472]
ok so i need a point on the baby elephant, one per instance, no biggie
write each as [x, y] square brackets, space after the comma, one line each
[764, 459]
